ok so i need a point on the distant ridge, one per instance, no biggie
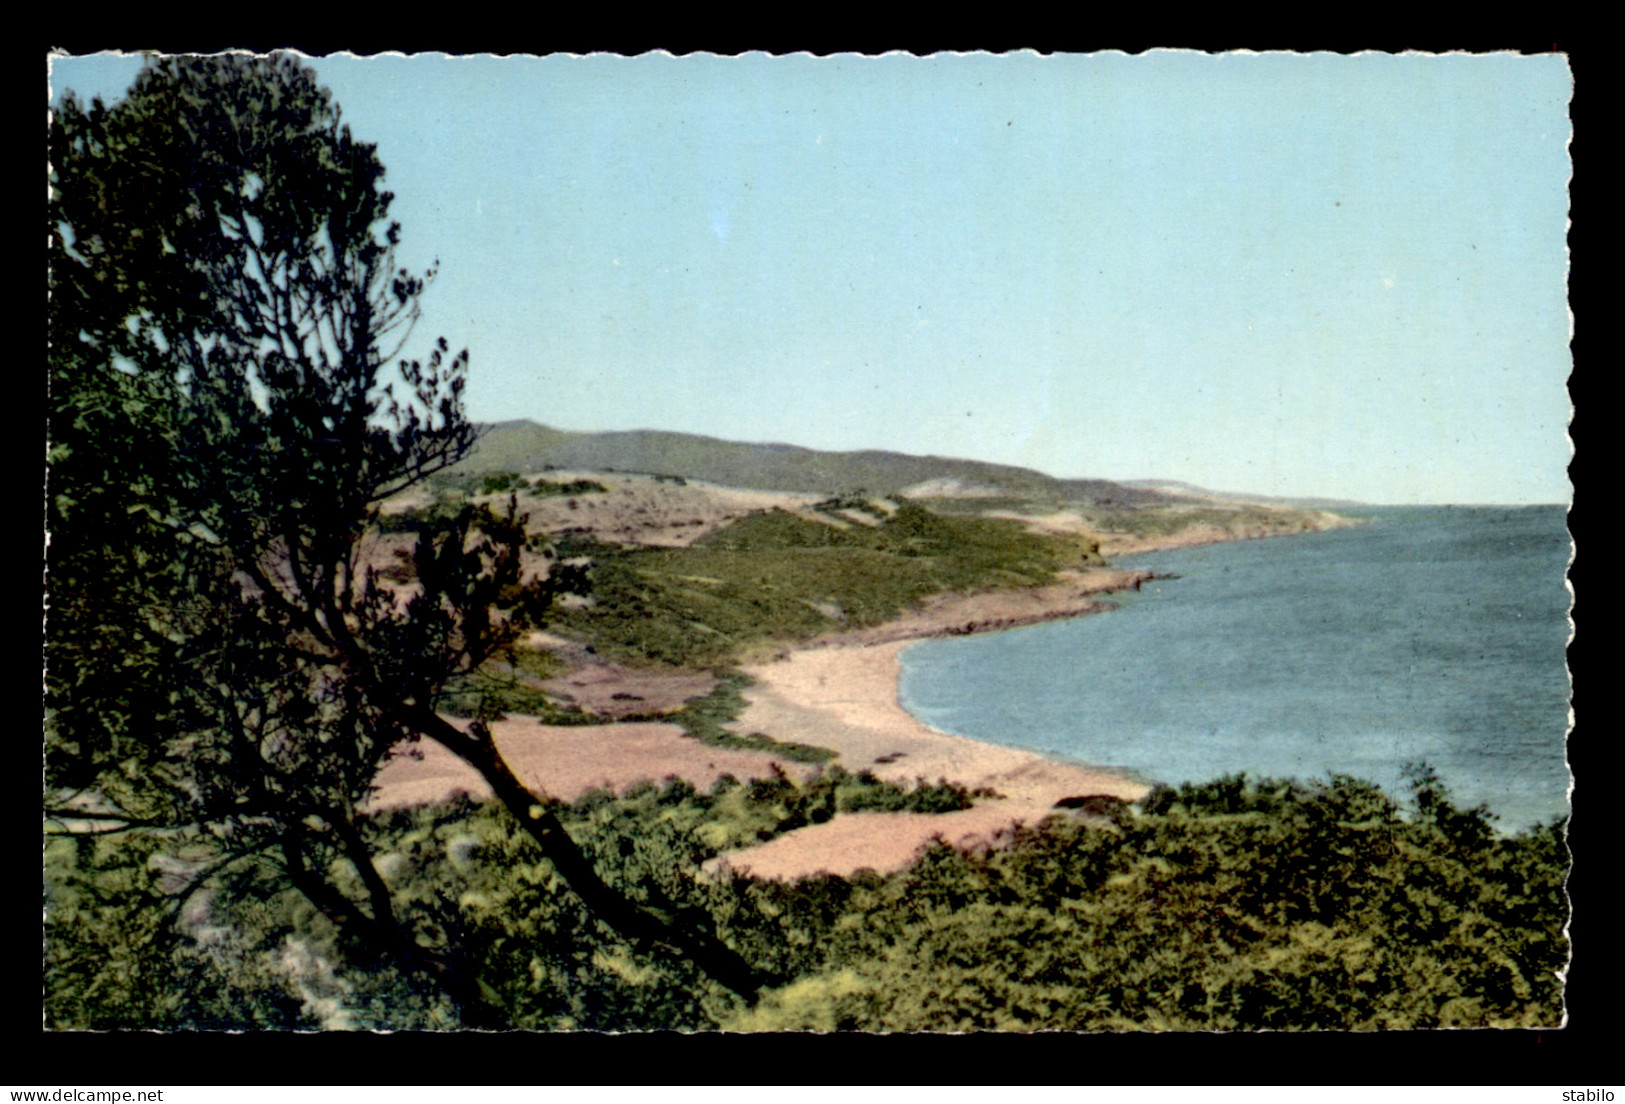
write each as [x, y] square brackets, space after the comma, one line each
[525, 446]
[1179, 489]
[505, 446]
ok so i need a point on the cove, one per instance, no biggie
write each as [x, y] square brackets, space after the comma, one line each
[1433, 634]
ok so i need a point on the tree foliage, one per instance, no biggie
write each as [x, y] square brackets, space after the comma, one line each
[222, 421]
[1238, 904]
[229, 645]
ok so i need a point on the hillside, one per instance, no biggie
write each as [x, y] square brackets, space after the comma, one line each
[525, 446]
[506, 446]
[1177, 489]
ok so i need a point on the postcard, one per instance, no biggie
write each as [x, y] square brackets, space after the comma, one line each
[968, 542]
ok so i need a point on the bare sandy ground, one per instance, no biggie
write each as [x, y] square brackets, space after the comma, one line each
[614, 692]
[1124, 544]
[567, 761]
[1115, 544]
[643, 510]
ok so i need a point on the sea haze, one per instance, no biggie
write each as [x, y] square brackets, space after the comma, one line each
[1430, 633]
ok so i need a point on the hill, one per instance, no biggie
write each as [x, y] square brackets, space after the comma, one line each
[524, 446]
[1177, 489]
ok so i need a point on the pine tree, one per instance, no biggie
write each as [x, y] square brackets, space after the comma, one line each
[230, 403]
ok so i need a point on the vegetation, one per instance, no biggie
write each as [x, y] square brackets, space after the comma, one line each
[230, 403]
[774, 576]
[1231, 905]
[510, 446]
[499, 483]
[525, 446]
[421, 519]
[957, 505]
[1166, 521]
[511, 684]
[543, 487]
[858, 501]
[704, 717]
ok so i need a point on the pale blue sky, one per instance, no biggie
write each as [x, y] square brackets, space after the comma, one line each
[1313, 275]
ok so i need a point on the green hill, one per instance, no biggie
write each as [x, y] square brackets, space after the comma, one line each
[524, 446]
[509, 446]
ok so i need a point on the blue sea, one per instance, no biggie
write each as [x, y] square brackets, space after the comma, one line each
[1431, 634]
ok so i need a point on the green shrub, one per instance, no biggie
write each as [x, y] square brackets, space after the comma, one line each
[543, 487]
[774, 576]
[1233, 905]
[704, 718]
[501, 483]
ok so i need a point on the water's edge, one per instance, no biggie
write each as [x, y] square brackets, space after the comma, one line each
[1432, 635]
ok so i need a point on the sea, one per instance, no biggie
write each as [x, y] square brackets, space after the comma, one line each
[1429, 635]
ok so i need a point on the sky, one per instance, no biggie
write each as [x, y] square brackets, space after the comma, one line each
[1318, 274]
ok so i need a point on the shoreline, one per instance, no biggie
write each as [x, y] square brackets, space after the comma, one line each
[841, 692]
[845, 698]
[1076, 594]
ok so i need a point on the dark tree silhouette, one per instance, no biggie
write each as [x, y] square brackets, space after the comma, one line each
[229, 405]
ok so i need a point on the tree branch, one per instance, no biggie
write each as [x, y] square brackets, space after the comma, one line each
[639, 926]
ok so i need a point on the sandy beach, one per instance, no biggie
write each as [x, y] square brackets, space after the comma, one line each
[840, 697]
[845, 698]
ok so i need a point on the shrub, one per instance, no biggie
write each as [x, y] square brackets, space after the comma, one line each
[1233, 905]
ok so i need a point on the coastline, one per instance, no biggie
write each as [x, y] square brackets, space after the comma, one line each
[845, 698]
[1075, 594]
[840, 692]
[1113, 545]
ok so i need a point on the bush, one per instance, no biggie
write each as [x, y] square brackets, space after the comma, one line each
[546, 487]
[501, 483]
